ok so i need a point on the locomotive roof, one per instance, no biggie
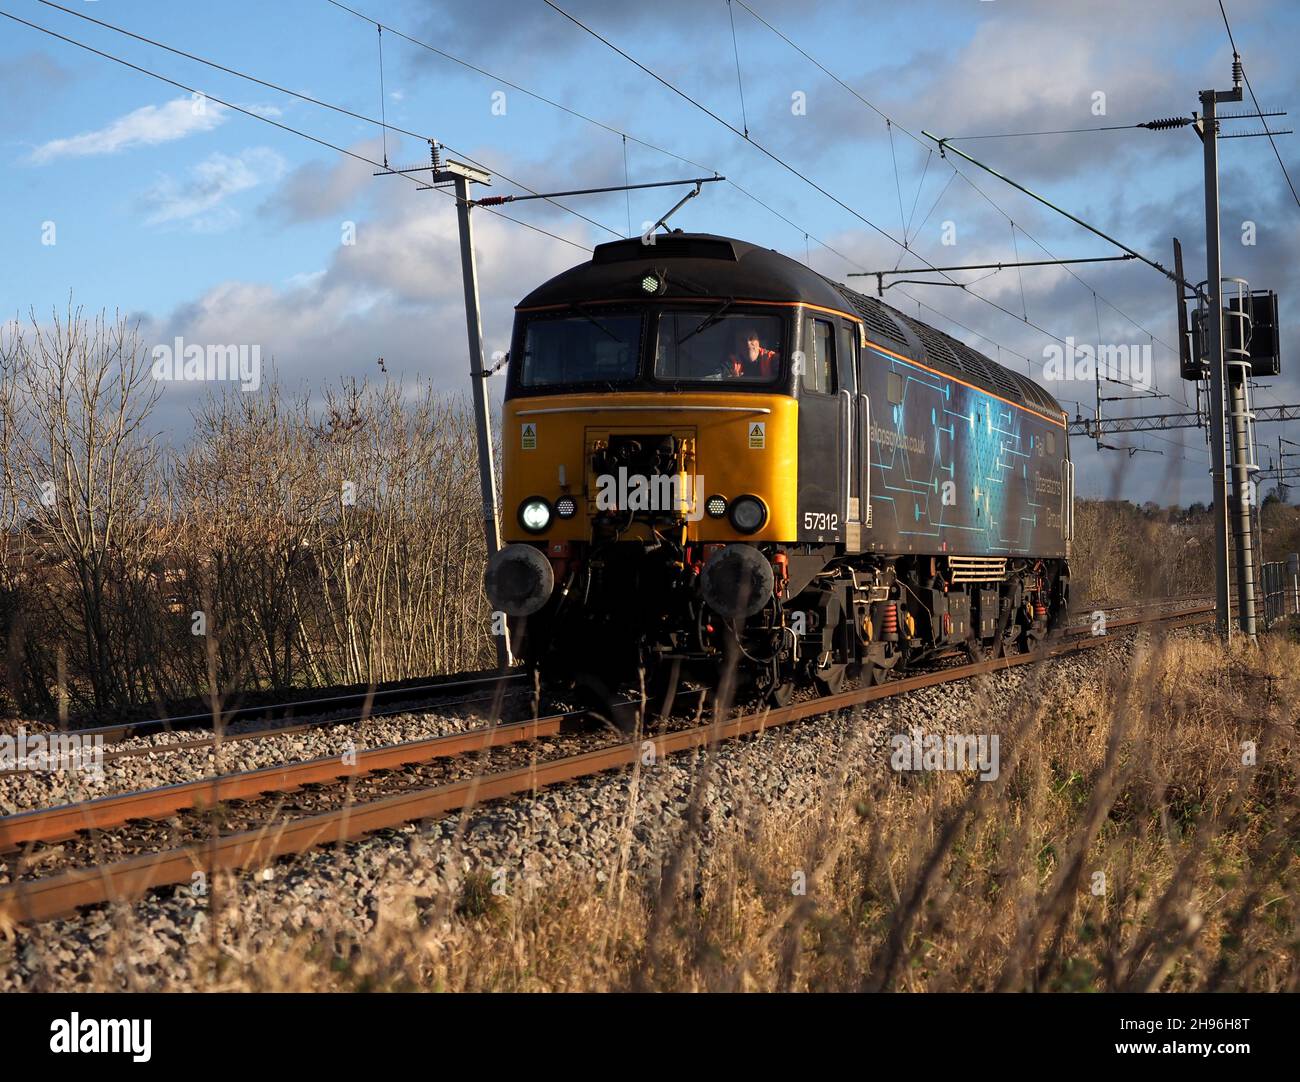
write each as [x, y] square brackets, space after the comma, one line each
[702, 265]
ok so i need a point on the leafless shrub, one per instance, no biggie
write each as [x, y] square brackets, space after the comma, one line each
[1123, 552]
[286, 543]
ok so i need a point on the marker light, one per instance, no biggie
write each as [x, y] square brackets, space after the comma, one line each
[566, 507]
[716, 506]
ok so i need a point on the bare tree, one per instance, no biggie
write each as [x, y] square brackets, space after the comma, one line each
[83, 474]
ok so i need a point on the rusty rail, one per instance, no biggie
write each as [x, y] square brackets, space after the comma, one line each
[64, 821]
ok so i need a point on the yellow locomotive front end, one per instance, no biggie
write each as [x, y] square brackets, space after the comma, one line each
[705, 468]
[650, 449]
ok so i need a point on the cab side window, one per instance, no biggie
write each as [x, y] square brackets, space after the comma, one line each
[848, 349]
[818, 374]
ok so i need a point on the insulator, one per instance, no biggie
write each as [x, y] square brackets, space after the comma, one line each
[1167, 122]
[1236, 70]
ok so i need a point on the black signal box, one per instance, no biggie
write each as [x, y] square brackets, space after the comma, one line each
[1260, 330]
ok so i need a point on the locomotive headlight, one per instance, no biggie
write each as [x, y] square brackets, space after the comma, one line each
[566, 507]
[716, 506]
[534, 514]
[748, 514]
[655, 283]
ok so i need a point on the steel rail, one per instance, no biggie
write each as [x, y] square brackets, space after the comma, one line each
[123, 730]
[58, 895]
[275, 730]
[292, 730]
[66, 820]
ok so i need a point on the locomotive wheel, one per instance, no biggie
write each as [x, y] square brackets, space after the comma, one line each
[606, 705]
[781, 694]
[830, 680]
[1033, 639]
[979, 650]
[873, 674]
[663, 687]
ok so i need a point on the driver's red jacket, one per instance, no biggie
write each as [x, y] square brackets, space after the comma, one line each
[764, 367]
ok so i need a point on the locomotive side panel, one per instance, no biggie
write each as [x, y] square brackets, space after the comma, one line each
[957, 470]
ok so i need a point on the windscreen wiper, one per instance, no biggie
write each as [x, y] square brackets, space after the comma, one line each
[576, 307]
[709, 320]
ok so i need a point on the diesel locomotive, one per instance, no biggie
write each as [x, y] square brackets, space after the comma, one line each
[715, 458]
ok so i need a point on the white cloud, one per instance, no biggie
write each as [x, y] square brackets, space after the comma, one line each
[396, 293]
[146, 126]
[322, 189]
[199, 197]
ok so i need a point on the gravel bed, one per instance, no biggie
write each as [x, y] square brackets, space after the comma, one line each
[576, 829]
[25, 790]
[190, 826]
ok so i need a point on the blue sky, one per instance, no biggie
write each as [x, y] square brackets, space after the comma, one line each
[221, 228]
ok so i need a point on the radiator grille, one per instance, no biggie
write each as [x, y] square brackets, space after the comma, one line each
[977, 568]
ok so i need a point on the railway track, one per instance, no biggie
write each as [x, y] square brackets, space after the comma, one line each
[366, 704]
[365, 699]
[510, 683]
[266, 838]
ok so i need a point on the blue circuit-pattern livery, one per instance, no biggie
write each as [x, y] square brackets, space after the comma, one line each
[959, 469]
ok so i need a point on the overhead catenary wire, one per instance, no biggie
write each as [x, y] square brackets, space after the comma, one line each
[586, 118]
[266, 119]
[1057, 131]
[919, 187]
[383, 105]
[786, 165]
[921, 142]
[292, 93]
[359, 116]
[382, 123]
[746, 192]
[740, 82]
[1255, 102]
[892, 123]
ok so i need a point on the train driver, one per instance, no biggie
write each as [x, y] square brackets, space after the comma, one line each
[751, 360]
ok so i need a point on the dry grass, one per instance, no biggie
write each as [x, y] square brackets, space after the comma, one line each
[930, 882]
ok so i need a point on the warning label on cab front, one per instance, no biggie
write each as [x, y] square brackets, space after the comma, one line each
[528, 441]
[758, 435]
